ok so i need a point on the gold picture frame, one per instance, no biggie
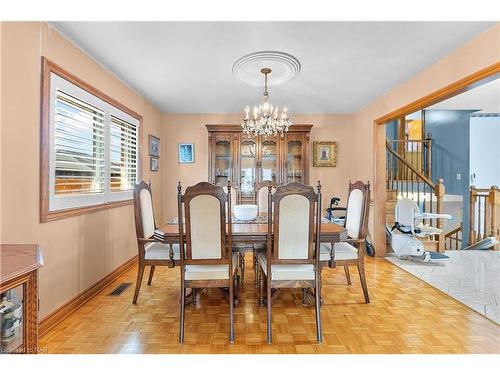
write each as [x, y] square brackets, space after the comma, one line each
[324, 154]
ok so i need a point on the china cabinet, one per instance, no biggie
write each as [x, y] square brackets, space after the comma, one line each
[247, 160]
[19, 298]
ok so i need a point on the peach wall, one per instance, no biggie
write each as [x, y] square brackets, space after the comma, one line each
[179, 128]
[81, 250]
[479, 53]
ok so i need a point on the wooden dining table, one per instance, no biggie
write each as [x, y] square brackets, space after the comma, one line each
[252, 232]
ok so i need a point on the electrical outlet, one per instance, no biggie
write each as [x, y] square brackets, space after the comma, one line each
[459, 176]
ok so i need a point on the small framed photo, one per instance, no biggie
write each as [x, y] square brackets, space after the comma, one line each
[154, 146]
[154, 164]
[186, 153]
[324, 154]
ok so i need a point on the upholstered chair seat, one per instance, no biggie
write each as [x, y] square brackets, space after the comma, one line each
[210, 271]
[287, 271]
[160, 251]
[342, 251]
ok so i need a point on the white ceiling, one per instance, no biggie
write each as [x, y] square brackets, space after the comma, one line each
[185, 67]
[485, 98]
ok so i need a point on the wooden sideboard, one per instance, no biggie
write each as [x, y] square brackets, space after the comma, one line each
[247, 160]
[19, 282]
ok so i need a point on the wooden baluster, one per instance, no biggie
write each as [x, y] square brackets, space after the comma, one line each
[440, 192]
[487, 217]
[429, 155]
[480, 226]
[472, 216]
[494, 198]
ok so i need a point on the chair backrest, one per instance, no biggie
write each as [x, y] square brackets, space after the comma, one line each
[261, 195]
[358, 208]
[143, 209]
[405, 212]
[296, 217]
[204, 232]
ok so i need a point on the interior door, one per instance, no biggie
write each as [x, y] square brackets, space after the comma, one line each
[484, 151]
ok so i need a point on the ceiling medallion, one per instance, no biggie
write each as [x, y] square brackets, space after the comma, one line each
[267, 120]
[284, 67]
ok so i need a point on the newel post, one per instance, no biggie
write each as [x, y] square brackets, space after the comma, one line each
[472, 215]
[439, 190]
[494, 198]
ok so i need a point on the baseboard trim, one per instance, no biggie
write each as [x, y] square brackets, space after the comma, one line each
[54, 318]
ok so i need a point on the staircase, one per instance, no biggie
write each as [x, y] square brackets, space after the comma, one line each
[409, 175]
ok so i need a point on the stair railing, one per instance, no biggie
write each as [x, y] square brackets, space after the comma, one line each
[484, 214]
[453, 239]
[409, 182]
[417, 153]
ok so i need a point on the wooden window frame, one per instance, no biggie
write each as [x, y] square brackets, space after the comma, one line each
[49, 67]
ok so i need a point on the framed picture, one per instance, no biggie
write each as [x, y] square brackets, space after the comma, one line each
[154, 164]
[186, 153]
[154, 146]
[324, 154]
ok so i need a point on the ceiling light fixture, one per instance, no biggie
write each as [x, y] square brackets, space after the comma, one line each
[267, 119]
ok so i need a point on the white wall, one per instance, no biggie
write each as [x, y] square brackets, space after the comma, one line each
[485, 151]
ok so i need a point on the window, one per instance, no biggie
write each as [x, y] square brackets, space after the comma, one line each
[90, 158]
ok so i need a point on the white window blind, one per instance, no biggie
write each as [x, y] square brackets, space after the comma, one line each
[123, 155]
[78, 146]
[93, 149]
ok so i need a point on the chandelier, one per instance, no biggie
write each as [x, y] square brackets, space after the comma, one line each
[267, 119]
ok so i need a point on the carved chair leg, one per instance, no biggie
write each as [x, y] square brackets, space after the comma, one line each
[151, 272]
[256, 267]
[194, 295]
[269, 302]
[317, 295]
[242, 267]
[347, 275]
[261, 285]
[231, 312]
[140, 273]
[362, 278]
[183, 303]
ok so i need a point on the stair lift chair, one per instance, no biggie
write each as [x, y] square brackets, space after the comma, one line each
[408, 228]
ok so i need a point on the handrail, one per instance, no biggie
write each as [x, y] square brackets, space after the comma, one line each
[454, 231]
[419, 174]
[410, 140]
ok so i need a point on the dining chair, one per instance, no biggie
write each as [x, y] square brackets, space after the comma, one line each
[351, 252]
[206, 242]
[261, 195]
[291, 260]
[240, 248]
[260, 199]
[152, 252]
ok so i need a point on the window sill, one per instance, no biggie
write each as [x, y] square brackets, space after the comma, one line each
[62, 214]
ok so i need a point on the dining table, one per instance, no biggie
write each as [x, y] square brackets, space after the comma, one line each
[253, 231]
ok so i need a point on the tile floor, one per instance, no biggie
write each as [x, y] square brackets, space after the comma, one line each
[470, 276]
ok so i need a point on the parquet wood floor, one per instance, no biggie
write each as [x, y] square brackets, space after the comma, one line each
[405, 315]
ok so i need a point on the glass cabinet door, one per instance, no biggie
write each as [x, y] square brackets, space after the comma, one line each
[12, 320]
[222, 159]
[269, 157]
[294, 156]
[248, 162]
